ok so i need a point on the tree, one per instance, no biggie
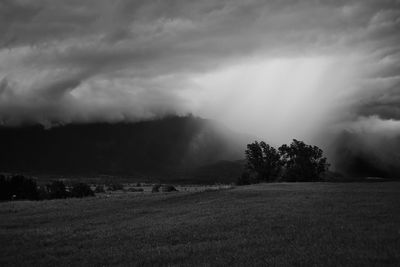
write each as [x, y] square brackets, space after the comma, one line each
[272, 162]
[81, 190]
[22, 187]
[263, 160]
[57, 190]
[302, 162]
[254, 157]
[5, 188]
[17, 187]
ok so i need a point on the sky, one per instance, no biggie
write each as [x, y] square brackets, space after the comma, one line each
[277, 70]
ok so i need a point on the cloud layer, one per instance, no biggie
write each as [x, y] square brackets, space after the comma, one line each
[305, 69]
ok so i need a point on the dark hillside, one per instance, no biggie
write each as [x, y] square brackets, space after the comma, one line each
[160, 147]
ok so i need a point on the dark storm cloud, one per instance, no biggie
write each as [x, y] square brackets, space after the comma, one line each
[385, 104]
[63, 61]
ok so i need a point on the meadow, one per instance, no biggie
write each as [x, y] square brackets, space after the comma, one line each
[292, 224]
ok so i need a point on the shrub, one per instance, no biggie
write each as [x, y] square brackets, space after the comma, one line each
[21, 187]
[43, 192]
[168, 188]
[17, 187]
[81, 190]
[135, 189]
[5, 191]
[56, 190]
[156, 188]
[115, 187]
[99, 189]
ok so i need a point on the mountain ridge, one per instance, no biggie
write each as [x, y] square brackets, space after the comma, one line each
[160, 147]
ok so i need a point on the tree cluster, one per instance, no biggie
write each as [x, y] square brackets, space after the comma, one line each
[18, 187]
[297, 162]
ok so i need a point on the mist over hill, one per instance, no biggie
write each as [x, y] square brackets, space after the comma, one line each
[162, 147]
[172, 148]
[362, 154]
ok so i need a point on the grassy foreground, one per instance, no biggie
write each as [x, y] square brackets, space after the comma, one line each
[303, 224]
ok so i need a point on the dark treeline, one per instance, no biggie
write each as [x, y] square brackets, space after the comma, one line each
[18, 187]
[155, 148]
[297, 162]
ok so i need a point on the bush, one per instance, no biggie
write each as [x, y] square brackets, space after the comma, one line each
[43, 192]
[168, 188]
[18, 187]
[56, 190]
[81, 190]
[115, 187]
[156, 188]
[21, 187]
[135, 189]
[99, 189]
[5, 191]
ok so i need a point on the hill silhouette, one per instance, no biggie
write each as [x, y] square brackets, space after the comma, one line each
[167, 147]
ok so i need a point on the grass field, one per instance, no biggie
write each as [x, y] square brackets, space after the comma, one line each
[302, 224]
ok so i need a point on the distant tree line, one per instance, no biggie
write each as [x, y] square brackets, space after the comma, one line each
[297, 162]
[18, 187]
